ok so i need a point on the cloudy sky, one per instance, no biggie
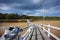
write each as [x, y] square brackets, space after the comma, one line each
[31, 7]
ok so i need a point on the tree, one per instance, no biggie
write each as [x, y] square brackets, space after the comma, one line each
[25, 17]
[11, 16]
[2, 16]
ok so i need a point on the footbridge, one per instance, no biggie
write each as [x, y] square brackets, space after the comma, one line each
[37, 32]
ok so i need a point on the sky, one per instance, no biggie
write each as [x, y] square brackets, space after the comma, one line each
[31, 7]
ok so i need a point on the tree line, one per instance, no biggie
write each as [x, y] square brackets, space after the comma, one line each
[16, 16]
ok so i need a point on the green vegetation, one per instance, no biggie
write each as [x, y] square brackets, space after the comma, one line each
[7, 17]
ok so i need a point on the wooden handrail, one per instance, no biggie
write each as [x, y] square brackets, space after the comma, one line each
[48, 31]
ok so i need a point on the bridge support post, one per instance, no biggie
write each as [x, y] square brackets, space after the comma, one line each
[48, 30]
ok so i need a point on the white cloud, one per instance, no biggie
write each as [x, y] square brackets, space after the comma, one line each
[9, 6]
[36, 1]
[41, 11]
[4, 7]
[53, 10]
[35, 14]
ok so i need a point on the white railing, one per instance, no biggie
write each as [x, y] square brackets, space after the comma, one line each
[49, 28]
[29, 23]
[27, 33]
[48, 31]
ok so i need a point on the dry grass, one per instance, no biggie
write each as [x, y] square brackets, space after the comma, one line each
[51, 22]
[19, 24]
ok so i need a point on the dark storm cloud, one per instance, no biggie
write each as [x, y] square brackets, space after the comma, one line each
[26, 4]
[11, 1]
[29, 5]
[51, 3]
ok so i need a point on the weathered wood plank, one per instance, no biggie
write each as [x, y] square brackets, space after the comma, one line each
[44, 35]
[33, 36]
[39, 35]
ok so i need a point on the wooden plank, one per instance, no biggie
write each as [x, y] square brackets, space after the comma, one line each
[39, 35]
[35, 33]
[44, 35]
[33, 36]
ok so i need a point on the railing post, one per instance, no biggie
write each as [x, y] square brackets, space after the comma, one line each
[43, 27]
[48, 30]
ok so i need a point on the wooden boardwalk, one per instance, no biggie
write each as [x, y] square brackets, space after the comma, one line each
[38, 34]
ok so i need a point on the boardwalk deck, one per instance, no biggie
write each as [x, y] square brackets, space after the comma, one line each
[44, 35]
[38, 34]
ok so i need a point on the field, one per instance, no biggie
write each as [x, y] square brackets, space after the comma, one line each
[24, 24]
